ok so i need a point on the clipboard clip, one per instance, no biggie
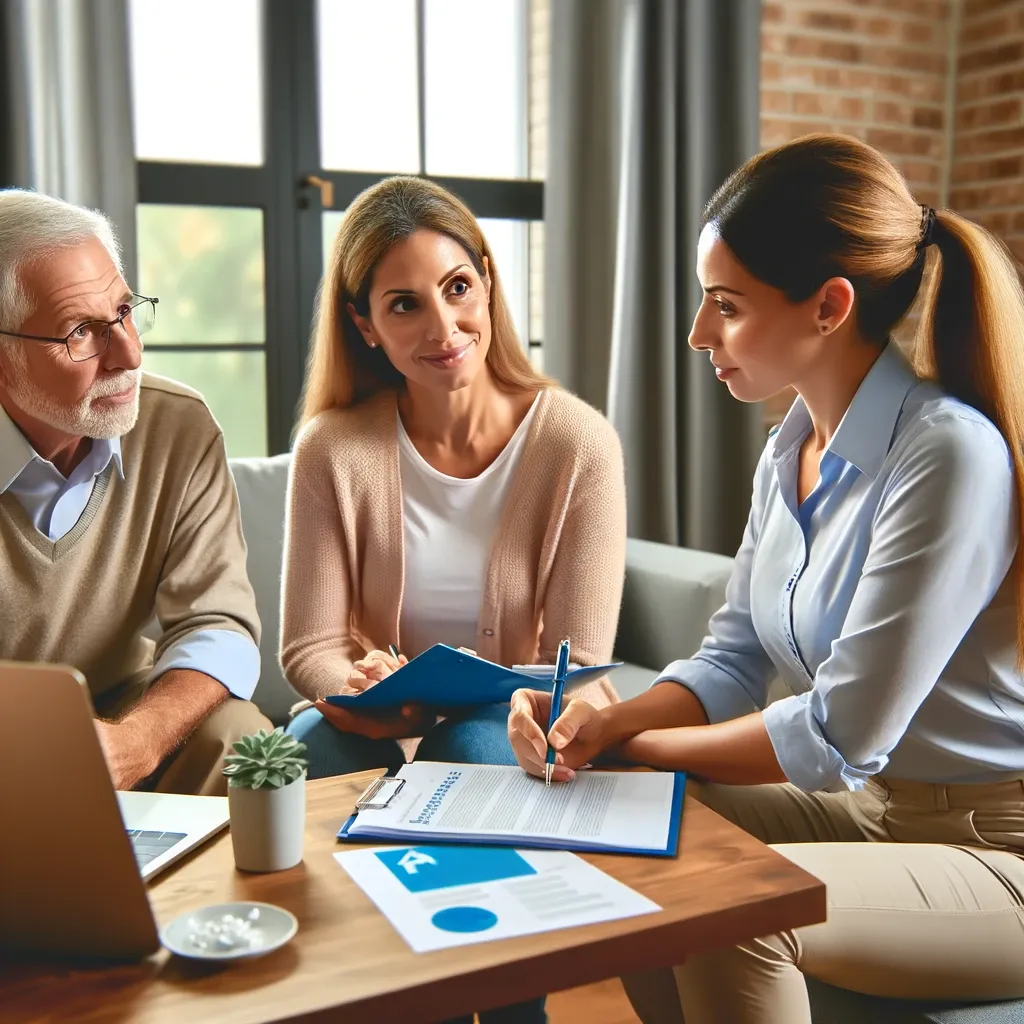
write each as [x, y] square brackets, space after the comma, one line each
[379, 793]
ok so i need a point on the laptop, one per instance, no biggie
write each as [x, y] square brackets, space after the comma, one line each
[74, 854]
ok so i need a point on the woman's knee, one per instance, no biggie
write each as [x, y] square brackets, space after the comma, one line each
[478, 738]
[332, 752]
[782, 813]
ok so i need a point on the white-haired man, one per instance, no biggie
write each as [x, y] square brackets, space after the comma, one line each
[116, 503]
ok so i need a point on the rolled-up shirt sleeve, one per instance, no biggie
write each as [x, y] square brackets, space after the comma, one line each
[231, 658]
[943, 538]
[730, 673]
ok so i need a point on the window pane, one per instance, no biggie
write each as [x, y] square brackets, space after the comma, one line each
[369, 119]
[536, 300]
[234, 385]
[330, 224]
[476, 126]
[540, 60]
[205, 265]
[196, 85]
[509, 244]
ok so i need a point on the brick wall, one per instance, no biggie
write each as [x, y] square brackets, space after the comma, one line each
[876, 69]
[988, 138]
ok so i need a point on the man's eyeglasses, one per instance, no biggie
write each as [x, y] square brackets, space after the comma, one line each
[90, 339]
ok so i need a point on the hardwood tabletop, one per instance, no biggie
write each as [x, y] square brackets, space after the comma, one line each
[347, 963]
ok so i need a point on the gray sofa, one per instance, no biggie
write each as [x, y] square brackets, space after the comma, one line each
[670, 593]
[668, 597]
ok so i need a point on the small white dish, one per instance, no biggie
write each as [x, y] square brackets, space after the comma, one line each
[230, 931]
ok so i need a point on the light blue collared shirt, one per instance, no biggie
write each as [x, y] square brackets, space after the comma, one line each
[55, 503]
[883, 600]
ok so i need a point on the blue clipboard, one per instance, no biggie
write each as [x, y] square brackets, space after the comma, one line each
[531, 842]
[447, 677]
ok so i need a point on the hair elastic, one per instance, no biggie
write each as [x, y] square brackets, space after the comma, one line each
[927, 227]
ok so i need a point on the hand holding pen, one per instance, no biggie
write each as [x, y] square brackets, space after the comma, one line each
[561, 668]
[390, 723]
[374, 667]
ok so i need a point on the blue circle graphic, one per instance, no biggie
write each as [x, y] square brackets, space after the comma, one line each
[464, 919]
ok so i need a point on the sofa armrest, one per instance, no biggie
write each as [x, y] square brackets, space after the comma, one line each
[669, 595]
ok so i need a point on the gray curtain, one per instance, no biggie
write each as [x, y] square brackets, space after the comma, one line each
[653, 103]
[66, 93]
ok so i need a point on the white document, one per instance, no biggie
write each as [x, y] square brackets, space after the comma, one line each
[442, 896]
[632, 811]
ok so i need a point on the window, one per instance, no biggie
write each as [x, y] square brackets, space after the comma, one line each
[277, 106]
[206, 264]
[196, 94]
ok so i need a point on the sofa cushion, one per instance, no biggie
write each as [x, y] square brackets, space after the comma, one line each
[261, 485]
[830, 1005]
[668, 597]
[632, 680]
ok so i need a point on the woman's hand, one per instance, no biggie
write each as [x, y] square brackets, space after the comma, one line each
[390, 723]
[374, 667]
[397, 724]
[578, 734]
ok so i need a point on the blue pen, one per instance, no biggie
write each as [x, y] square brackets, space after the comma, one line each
[561, 667]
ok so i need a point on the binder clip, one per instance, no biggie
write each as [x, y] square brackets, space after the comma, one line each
[379, 793]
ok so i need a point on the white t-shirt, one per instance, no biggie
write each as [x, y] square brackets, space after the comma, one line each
[449, 526]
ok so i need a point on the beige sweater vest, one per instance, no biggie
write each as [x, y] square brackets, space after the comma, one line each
[555, 569]
[165, 539]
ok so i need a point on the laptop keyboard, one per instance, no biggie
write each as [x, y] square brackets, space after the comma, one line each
[149, 845]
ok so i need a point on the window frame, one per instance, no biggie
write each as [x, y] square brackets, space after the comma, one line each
[292, 209]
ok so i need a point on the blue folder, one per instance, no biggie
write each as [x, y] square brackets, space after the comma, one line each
[444, 676]
[525, 842]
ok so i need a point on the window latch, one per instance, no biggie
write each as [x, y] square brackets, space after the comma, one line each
[326, 189]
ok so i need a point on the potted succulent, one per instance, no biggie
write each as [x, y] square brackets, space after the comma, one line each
[267, 800]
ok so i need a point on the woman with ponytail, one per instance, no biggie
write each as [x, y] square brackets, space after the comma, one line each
[878, 578]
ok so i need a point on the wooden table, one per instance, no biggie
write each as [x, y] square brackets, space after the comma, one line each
[347, 964]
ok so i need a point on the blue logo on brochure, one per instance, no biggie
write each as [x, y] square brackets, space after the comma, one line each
[464, 919]
[426, 868]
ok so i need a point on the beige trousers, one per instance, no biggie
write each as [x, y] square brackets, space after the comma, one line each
[195, 767]
[925, 887]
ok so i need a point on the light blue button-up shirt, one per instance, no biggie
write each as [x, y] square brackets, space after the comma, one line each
[883, 600]
[55, 503]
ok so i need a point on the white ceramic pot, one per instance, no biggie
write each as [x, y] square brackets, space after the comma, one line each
[267, 826]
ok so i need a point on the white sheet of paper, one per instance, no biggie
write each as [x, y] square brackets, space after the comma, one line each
[617, 810]
[437, 897]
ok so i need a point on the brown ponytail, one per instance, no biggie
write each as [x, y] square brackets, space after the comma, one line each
[971, 339]
[831, 206]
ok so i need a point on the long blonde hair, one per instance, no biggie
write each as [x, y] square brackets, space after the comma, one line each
[831, 206]
[342, 369]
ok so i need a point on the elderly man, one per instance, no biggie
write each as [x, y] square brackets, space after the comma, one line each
[116, 503]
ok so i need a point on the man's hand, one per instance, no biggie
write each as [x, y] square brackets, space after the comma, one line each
[126, 755]
[409, 720]
[578, 735]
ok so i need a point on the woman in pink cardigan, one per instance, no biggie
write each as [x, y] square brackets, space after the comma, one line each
[442, 491]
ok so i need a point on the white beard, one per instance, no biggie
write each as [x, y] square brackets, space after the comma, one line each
[80, 419]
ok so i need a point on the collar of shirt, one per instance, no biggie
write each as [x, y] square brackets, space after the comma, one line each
[865, 432]
[16, 455]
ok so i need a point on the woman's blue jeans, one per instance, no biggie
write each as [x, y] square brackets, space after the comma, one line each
[478, 737]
